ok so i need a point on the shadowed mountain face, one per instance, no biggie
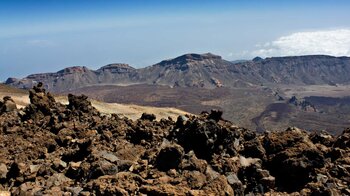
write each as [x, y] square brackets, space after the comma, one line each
[201, 70]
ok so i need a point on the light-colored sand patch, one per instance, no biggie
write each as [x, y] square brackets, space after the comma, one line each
[131, 111]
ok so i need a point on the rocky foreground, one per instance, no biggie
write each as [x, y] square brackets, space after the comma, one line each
[55, 149]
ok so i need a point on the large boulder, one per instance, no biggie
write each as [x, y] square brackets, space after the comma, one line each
[169, 157]
[7, 105]
[292, 158]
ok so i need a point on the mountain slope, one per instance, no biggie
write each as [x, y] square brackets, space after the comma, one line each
[190, 70]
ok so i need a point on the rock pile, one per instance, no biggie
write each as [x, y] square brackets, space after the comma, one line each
[50, 148]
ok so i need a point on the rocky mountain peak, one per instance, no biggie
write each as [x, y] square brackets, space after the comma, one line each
[11, 80]
[74, 69]
[191, 57]
[258, 58]
[116, 68]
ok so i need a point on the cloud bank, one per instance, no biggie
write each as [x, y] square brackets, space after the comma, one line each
[328, 42]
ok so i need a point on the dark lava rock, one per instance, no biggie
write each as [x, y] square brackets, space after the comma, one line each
[169, 157]
[150, 117]
[79, 103]
[343, 141]
[215, 115]
[205, 137]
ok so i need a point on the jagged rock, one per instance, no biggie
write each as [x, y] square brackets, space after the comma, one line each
[79, 103]
[150, 117]
[215, 115]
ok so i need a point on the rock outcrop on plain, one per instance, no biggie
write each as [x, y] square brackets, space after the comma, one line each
[51, 148]
[201, 70]
[7, 105]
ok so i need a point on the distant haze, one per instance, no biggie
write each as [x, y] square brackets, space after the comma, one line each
[45, 36]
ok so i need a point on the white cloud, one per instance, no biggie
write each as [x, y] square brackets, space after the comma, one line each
[329, 42]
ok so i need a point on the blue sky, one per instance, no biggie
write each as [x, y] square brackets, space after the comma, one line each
[48, 35]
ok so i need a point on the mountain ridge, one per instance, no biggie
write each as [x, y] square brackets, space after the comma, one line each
[201, 70]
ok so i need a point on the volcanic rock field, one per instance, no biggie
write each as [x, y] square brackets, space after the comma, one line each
[48, 148]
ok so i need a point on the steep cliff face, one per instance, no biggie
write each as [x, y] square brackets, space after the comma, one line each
[315, 69]
[202, 70]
